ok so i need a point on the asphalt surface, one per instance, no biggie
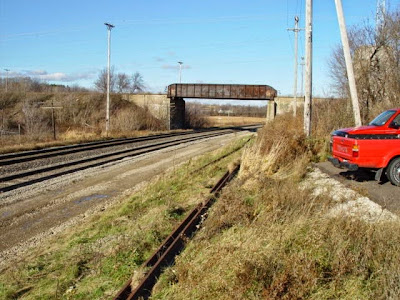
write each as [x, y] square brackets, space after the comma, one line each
[363, 181]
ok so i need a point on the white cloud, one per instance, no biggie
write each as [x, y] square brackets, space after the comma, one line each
[34, 72]
[56, 76]
[53, 77]
[159, 59]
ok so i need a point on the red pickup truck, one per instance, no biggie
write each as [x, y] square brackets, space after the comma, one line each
[376, 146]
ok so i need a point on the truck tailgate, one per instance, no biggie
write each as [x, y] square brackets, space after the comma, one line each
[343, 147]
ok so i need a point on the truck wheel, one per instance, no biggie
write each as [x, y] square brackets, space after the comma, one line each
[393, 171]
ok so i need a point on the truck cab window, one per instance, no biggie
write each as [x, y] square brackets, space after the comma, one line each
[383, 118]
[396, 122]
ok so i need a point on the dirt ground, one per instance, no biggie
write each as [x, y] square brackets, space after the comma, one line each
[383, 193]
[32, 214]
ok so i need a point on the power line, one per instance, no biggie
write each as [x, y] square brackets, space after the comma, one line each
[161, 21]
[296, 30]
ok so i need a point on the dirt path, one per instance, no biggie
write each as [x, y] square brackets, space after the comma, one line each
[31, 214]
[385, 194]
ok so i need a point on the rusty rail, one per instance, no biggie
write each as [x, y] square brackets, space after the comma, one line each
[221, 91]
[165, 255]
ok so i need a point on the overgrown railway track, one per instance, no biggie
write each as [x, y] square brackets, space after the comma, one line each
[31, 176]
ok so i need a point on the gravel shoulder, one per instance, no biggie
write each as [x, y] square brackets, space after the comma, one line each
[383, 193]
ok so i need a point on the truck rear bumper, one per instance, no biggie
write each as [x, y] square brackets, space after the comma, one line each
[343, 164]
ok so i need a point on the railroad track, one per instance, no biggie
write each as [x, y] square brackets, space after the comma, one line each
[18, 157]
[25, 178]
[165, 255]
[25, 156]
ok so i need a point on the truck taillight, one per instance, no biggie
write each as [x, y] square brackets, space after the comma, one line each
[355, 150]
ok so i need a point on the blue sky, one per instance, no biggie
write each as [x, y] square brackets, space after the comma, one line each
[236, 41]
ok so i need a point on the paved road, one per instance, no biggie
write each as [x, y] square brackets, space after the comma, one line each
[383, 193]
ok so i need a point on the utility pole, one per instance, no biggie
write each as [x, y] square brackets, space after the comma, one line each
[302, 76]
[308, 64]
[296, 30]
[109, 27]
[349, 63]
[53, 120]
[7, 70]
[180, 71]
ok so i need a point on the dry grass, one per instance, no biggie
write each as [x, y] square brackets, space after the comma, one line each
[81, 118]
[269, 238]
[233, 121]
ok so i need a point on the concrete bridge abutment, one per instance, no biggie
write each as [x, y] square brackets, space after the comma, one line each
[176, 113]
[171, 111]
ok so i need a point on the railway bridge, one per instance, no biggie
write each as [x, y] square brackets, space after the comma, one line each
[171, 107]
[178, 91]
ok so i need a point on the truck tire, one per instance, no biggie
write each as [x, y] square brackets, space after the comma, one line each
[393, 171]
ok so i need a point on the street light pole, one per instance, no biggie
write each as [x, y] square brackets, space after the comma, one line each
[109, 27]
[180, 71]
[7, 70]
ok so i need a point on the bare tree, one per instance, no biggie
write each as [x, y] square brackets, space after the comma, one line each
[123, 83]
[101, 82]
[376, 57]
[137, 83]
[34, 119]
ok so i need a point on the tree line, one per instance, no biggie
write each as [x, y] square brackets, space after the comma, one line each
[120, 82]
[26, 84]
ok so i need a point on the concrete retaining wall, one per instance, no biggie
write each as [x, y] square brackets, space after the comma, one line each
[171, 111]
[282, 105]
[158, 105]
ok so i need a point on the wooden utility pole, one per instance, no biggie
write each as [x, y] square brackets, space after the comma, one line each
[296, 30]
[302, 77]
[349, 63]
[308, 77]
[53, 120]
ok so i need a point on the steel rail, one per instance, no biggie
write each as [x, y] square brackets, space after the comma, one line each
[165, 255]
[9, 159]
[94, 161]
[19, 157]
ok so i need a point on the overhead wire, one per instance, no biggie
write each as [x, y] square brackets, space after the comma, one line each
[127, 23]
[287, 25]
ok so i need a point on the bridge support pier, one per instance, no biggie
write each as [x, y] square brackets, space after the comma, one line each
[271, 110]
[176, 113]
